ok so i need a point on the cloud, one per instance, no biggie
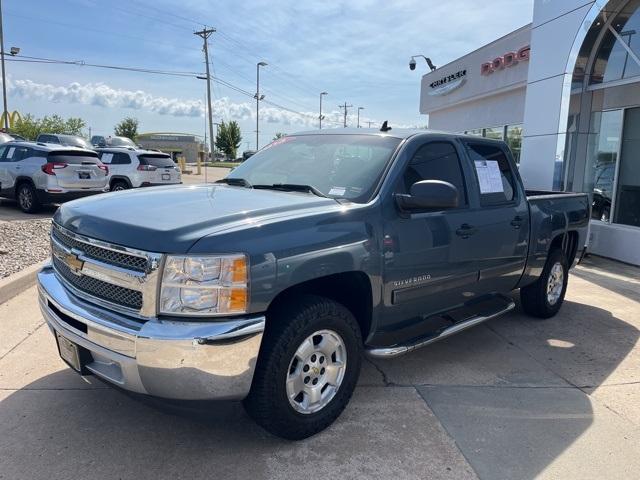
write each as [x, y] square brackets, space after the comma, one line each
[103, 95]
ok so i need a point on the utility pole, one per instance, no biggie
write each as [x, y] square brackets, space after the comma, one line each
[370, 124]
[5, 113]
[205, 33]
[321, 117]
[345, 107]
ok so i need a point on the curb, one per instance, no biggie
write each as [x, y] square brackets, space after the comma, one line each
[19, 282]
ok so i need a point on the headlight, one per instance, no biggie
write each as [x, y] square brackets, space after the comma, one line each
[204, 285]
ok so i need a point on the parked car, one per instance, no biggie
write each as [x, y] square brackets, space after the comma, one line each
[63, 139]
[269, 285]
[108, 141]
[133, 168]
[247, 154]
[15, 136]
[5, 137]
[37, 173]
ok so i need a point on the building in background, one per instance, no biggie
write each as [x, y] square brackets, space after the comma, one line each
[564, 92]
[189, 146]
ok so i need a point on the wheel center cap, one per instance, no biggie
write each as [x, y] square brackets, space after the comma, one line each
[316, 370]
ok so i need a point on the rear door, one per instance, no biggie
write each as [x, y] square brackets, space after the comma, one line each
[6, 180]
[13, 167]
[78, 169]
[159, 168]
[500, 216]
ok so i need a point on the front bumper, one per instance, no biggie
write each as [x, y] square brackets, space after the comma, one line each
[169, 359]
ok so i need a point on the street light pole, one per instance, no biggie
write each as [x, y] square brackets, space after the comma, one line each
[320, 117]
[359, 108]
[5, 113]
[205, 33]
[258, 98]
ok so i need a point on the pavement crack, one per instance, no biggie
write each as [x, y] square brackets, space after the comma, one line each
[22, 341]
[382, 373]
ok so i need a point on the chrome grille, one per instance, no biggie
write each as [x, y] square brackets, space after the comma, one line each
[112, 257]
[103, 290]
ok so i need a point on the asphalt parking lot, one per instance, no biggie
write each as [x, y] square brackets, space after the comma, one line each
[515, 398]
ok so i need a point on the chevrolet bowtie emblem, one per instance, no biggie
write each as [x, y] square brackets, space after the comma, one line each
[73, 262]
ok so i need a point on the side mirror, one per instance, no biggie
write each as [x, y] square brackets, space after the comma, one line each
[429, 195]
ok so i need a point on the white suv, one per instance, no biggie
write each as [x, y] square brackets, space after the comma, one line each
[133, 168]
[38, 173]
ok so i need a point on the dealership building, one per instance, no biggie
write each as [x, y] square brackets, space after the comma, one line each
[564, 93]
[185, 145]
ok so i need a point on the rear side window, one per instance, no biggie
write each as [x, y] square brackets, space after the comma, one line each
[436, 161]
[493, 172]
[73, 158]
[158, 160]
[15, 154]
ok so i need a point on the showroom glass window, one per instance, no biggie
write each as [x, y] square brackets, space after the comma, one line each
[514, 140]
[613, 60]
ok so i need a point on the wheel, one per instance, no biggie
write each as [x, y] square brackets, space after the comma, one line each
[544, 298]
[119, 185]
[307, 369]
[27, 198]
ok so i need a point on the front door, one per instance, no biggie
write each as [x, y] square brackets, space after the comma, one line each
[428, 266]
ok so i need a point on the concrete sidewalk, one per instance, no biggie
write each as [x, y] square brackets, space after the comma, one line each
[515, 398]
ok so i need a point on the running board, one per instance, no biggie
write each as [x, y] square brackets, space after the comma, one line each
[390, 352]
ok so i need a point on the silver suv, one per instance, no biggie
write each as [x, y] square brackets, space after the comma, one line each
[133, 168]
[38, 173]
[64, 139]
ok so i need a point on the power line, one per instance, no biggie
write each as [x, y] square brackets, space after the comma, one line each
[220, 81]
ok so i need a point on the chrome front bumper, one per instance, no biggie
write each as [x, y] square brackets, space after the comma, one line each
[170, 359]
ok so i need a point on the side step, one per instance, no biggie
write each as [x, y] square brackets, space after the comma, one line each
[397, 350]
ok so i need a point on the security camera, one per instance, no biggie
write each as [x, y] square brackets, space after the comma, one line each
[412, 64]
[14, 50]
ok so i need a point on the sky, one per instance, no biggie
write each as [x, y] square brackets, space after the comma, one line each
[356, 50]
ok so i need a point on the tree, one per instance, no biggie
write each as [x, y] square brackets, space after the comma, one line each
[30, 127]
[127, 128]
[229, 138]
[278, 135]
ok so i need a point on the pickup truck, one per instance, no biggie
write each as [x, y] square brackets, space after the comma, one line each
[270, 285]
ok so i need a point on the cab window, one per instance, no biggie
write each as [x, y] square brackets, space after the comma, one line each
[435, 161]
[493, 173]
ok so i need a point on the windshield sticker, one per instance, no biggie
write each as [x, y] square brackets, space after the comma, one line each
[337, 191]
[489, 176]
[10, 152]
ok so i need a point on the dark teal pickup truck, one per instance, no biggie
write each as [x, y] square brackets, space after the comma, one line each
[271, 284]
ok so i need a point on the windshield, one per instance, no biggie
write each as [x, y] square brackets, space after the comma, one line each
[339, 166]
[121, 142]
[75, 142]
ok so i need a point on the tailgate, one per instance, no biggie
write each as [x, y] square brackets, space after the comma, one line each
[78, 169]
[160, 167]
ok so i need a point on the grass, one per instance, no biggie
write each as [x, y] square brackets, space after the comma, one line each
[224, 164]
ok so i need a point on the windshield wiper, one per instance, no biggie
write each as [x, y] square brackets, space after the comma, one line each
[293, 187]
[236, 182]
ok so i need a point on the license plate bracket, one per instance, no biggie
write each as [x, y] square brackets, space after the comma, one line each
[84, 175]
[166, 176]
[73, 355]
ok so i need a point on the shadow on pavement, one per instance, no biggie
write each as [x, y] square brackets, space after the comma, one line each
[509, 431]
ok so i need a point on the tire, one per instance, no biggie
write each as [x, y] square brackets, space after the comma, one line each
[119, 185]
[291, 360]
[27, 198]
[544, 298]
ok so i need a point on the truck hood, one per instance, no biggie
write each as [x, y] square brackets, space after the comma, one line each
[172, 219]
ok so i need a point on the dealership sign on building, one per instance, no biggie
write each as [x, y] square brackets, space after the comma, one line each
[448, 83]
[509, 59]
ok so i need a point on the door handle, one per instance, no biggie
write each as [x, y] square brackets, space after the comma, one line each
[466, 230]
[516, 222]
